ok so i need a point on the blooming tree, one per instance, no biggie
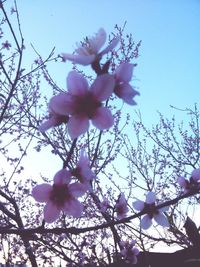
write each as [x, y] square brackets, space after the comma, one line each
[88, 213]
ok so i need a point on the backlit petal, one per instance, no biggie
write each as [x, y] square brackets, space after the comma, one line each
[76, 84]
[73, 207]
[77, 125]
[182, 182]
[111, 46]
[62, 177]
[150, 198]
[51, 212]
[103, 86]
[79, 59]
[97, 41]
[126, 92]
[124, 72]
[196, 174]
[42, 192]
[62, 104]
[77, 189]
[161, 219]
[146, 222]
[138, 205]
[103, 118]
[52, 122]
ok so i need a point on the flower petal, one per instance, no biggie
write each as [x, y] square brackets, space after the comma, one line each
[54, 120]
[103, 87]
[47, 125]
[164, 209]
[42, 192]
[146, 222]
[62, 177]
[138, 205]
[73, 207]
[78, 59]
[97, 41]
[196, 175]
[182, 182]
[103, 118]
[77, 85]
[110, 47]
[124, 72]
[62, 104]
[161, 219]
[126, 92]
[77, 189]
[51, 212]
[77, 125]
[150, 198]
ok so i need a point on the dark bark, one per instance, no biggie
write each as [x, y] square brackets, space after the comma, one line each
[189, 257]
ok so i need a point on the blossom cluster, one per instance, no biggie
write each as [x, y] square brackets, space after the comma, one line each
[82, 102]
[64, 193]
[78, 106]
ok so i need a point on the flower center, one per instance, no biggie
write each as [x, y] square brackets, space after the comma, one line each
[59, 194]
[150, 209]
[77, 173]
[87, 105]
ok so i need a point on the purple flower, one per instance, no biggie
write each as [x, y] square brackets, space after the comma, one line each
[84, 103]
[53, 121]
[82, 171]
[123, 89]
[89, 50]
[104, 205]
[61, 196]
[121, 207]
[6, 45]
[129, 252]
[192, 184]
[152, 211]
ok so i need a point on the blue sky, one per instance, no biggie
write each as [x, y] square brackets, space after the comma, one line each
[168, 71]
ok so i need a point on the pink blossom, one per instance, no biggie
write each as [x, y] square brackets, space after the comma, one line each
[129, 252]
[89, 50]
[121, 206]
[123, 89]
[84, 103]
[192, 184]
[83, 172]
[152, 211]
[104, 205]
[61, 196]
[53, 121]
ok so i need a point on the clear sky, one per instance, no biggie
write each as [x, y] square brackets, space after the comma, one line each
[168, 71]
